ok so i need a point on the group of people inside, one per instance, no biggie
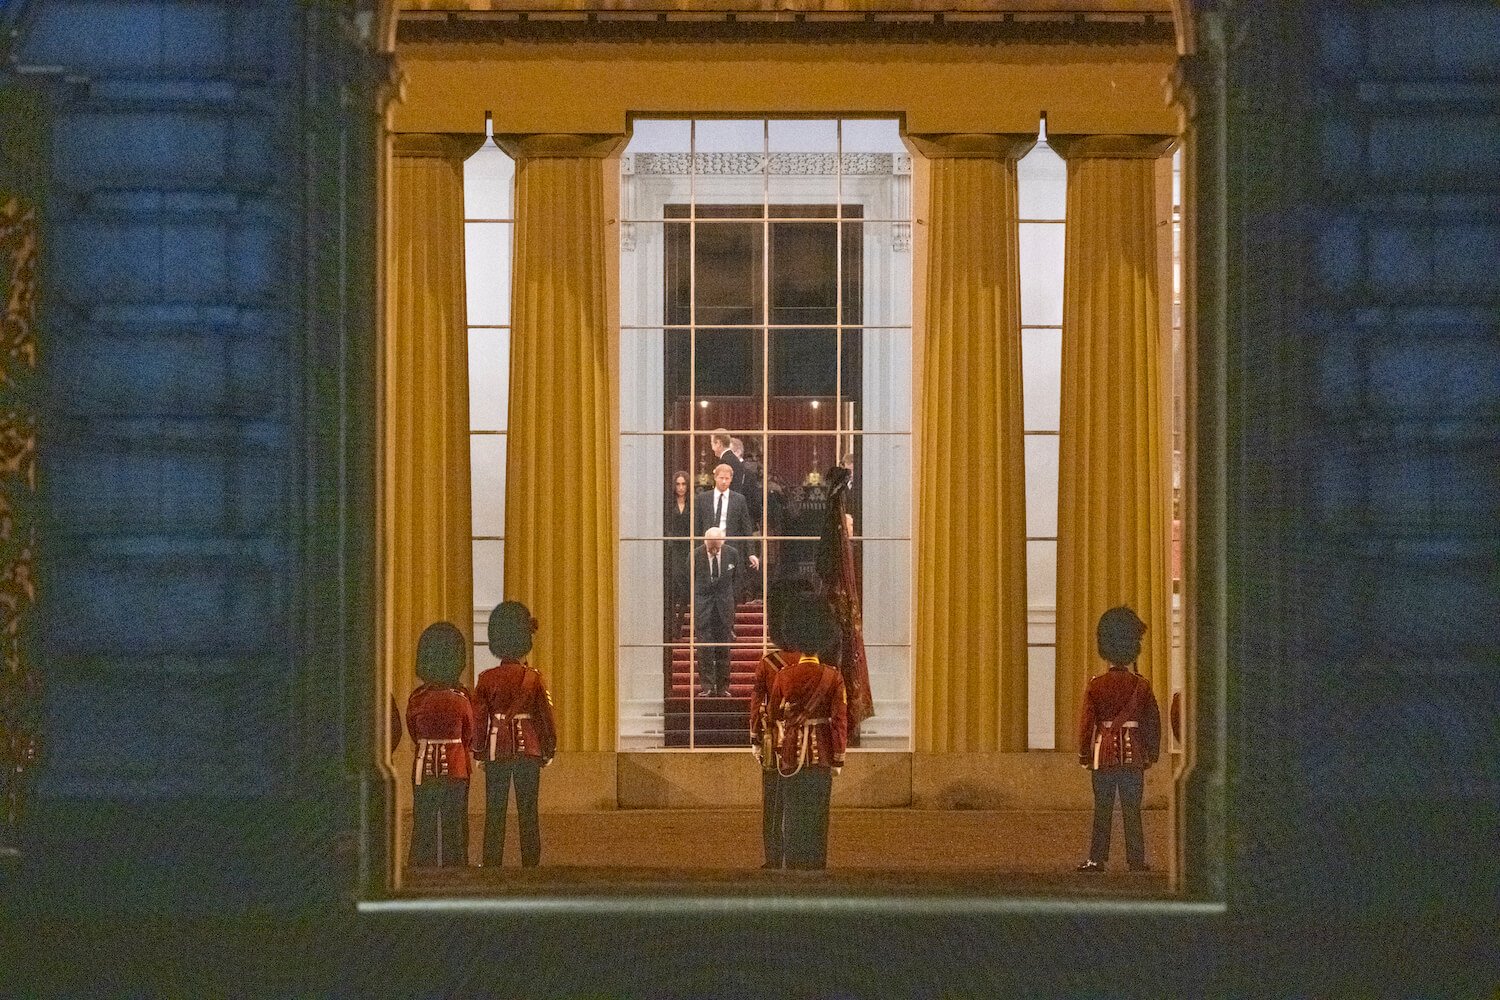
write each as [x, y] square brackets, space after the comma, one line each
[723, 512]
[713, 577]
[799, 733]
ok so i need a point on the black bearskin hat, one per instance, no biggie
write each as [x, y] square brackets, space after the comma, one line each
[440, 653]
[511, 627]
[1120, 631]
[779, 599]
[809, 625]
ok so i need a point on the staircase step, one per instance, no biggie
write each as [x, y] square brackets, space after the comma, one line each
[714, 722]
[726, 703]
[701, 738]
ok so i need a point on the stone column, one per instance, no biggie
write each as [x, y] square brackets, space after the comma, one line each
[427, 570]
[561, 536]
[1114, 456]
[970, 684]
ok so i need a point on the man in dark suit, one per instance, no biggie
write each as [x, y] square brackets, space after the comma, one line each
[716, 584]
[723, 508]
[747, 479]
[723, 449]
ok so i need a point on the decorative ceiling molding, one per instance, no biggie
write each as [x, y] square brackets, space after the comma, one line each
[1029, 8]
[964, 27]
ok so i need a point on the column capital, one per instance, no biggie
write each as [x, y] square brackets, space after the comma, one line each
[588, 145]
[970, 145]
[437, 145]
[1112, 147]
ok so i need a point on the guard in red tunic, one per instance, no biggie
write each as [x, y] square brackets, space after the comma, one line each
[762, 741]
[1119, 736]
[517, 735]
[440, 720]
[810, 719]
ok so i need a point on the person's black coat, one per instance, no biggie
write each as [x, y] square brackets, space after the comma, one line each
[738, 522]
[714, 600]
[729, 458]
[751, 493]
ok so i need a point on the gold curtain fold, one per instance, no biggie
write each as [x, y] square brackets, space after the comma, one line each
[971, 685]
[1114, 455]
[561, 468]
[426, 521]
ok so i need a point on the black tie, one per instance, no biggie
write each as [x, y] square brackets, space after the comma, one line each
[718, 508]
[713, 575]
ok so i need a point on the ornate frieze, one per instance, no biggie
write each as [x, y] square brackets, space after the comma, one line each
[777, 164]
[894, 167]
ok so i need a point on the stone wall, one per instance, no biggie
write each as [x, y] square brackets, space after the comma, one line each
[1362, 366]
[197, 450]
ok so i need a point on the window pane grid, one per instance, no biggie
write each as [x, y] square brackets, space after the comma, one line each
[1041, 178]
[810, 328]
[714, 205]
[773, 219]
[489, 178]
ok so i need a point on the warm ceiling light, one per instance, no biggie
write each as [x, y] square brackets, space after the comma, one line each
[815, 404]
[703, 403]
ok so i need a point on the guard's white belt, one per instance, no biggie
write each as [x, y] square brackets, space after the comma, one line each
[500, 718]
[1123, 725]
[422, 747]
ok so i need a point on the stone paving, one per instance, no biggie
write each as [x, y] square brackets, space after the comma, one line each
[871, 852]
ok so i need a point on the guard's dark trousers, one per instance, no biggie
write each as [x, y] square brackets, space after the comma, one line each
[771, 816]
[440, 822]
[526, 774]
[805, 817]
[1128, 782]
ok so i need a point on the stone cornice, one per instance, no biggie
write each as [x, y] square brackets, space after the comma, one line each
[971, 145]
[950, 26]
[1118, 147]
[437, 145]
[536, 145]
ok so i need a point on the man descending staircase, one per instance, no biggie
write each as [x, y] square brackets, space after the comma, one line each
[714, 721]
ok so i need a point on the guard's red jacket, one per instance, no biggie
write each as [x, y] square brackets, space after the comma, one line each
[810, 716]
[766, 671]
[515, 714]
[1120, 722]
[440, 719]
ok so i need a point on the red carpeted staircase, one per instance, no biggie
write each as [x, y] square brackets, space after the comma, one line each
[714, 722]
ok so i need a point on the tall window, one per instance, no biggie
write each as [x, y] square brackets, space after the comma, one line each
[1042, 189]
[489, 197]
[765, 289]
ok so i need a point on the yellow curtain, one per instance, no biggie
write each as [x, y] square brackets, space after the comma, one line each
[970, 686]
[1114, 458]
[427, 571]
[561, 468]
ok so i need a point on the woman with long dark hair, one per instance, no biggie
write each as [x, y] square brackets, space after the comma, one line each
[677, 551]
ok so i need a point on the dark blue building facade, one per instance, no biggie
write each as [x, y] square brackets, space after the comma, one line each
[204, 627]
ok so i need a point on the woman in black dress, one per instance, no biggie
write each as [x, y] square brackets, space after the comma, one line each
[677, 551]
